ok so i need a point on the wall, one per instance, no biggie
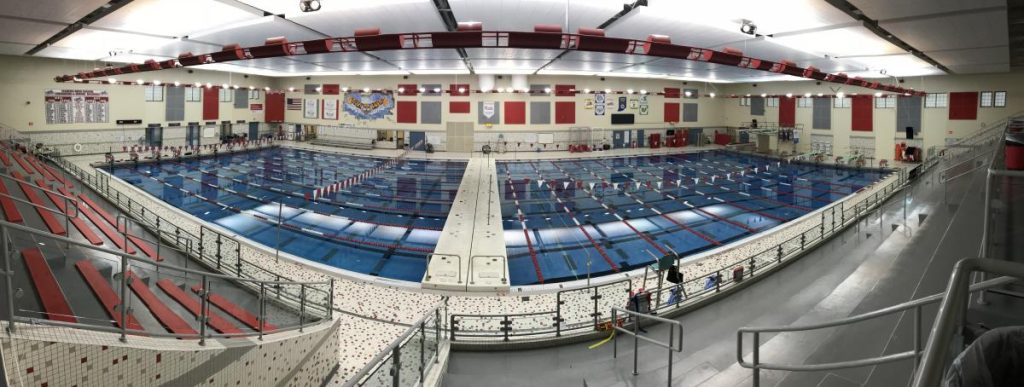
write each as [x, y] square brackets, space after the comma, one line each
[935, 122]
[25, 80]
[709, 110]
[50, 356]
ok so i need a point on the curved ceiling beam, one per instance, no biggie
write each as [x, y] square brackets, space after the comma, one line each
[591, 40]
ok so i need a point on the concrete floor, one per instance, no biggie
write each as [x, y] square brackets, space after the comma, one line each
[890, 257]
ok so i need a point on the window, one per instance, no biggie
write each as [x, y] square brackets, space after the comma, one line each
[936, 100]
[193, 94]
[993, 99]
[772, 101]
[1000, 97]
[804, 102]
[986, 99]
[691, 93]
[254, 94]
[225, 95]
[888, 102]
[745, 101]
[841, 102]
[154, 93]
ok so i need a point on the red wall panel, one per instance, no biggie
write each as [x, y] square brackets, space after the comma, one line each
[458, 107]
[787, 111]
[565, 90]
[671, 92]
[407, 89]
[211, 103]
[515, 112]
[671, 112]
[861, 113]
[565, 112]
[330, 89]
[963, 105]
[453, 89]
[406, 112]
[275, 107]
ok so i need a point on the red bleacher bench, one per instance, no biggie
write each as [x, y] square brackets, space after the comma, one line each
[51, 296]
[105, 293]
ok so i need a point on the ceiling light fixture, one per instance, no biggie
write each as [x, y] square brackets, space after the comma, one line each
[820, 94]
[840, 95]
[437, 89]
[807, 95]
[309, 5]
[252, 88]
[344, 89]
[462, 90]
[764, 95]
[176, 83]
[687, 93]
[748, 27]
[547, 89]
[789, 95]
[643, 91]
[586, 91]
[422, 90]
[157, 82]
[291, 89]
[712, 95]
[366, 89]
[878, 94]
[501, 89]
[139, 81]
[401, 90]
[629, 91]
[607, 91]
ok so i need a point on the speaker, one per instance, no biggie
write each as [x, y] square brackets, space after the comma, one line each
[910, 132]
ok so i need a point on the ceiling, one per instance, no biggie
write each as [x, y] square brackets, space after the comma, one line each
[808, 32]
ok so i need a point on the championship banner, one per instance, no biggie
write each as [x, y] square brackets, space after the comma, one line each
[599, 100]
[76, 106]
[330, 109]
[369, 106]
[488, 110]
[311, 108]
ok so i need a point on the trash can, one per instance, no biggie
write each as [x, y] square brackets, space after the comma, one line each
[1014, 153]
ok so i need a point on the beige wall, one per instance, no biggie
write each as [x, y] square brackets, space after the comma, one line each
[936, 126]
[26, 79]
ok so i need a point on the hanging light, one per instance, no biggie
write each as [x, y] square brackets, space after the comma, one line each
[366, 89]
[840, 95]
[199, 84]
[252, 88]
[344, 89]
[547, 89]
[878, 94]
[820, 94]
[789, 95]
[644, 91]
[291, 89]
[266, 88]
[629, 91]
[156, 82]
[111, 80]
[607, 91]
[764, 95]
[462, 90]
[712, 95]
[586, 91]
[501, 89]
[807, 95]
[176, 83]
[423, 90]
[139, 81]
[401, 90]
[437, 89]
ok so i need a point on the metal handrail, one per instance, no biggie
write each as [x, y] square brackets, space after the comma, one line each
[430, 257]
[671, 345]
[756, 365]
[392, 348]
[504, 278]
[952, 315]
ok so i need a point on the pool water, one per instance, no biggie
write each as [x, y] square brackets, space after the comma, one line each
[566, 218]
[385, 225]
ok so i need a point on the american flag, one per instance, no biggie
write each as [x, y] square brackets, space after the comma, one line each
[294, 104]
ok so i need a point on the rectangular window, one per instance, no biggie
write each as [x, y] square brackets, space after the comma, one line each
[936, 100]
[254, 94]
[1000, 99]
[154, 93]
[888, 102]
[773, 102]
[986, 99]
[841, 103]
[804, 102]
[691, 93]
[745, 101]
[225, 94]
[193, 94]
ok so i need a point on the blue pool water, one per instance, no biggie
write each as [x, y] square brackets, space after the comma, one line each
[615, 213]
[618, 213]
[385, 225]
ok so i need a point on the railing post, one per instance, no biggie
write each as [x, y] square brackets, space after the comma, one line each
[124, 298]
[753, 266]
[636, 343]
[203, 309]
[423, 349]
[558, 314]
[396, 366]
[778, 255]
[718, 281]
[803, 241]
[201, 242]
[917, 338]
[218, 250]
[615, 337]
[451, 327]
[263, 310]
[8, 280]
[302, 306]
[330, 301]
[757, 359]
[671, 339]
[437, 332]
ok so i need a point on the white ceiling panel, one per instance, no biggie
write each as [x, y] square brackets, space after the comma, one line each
[94, 44]
[980, 68]
[173, 18]
[363, 66]
[986, 29]
[255, 32]
[973, 56]
[337, 57]
[511, 53]
[342, 18]
[64, 11]
[522, 15]
[840, 42]
[177, 47]
[496, 65]
[28, 32]
[418, 54]
[603, 57]
[889, 9]
[899, 65]
[413, 65]
[14, 48]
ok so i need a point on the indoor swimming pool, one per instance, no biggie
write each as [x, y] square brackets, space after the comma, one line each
[565, 218]
[384, 223]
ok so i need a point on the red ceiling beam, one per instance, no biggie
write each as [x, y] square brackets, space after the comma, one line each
[588, 39]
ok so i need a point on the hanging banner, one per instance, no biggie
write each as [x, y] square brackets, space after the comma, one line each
[369, 106]
[644, 108]
[330, 109]
[622, 104]
[311, 108]
[599, 100]
[488, 110]
[76, 106]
